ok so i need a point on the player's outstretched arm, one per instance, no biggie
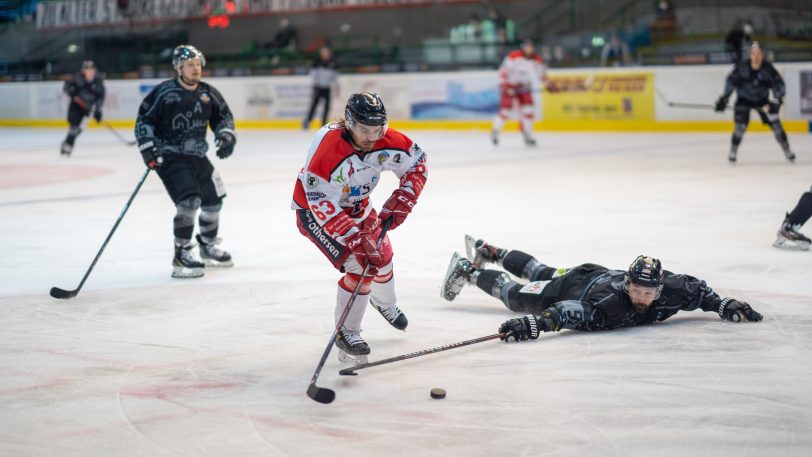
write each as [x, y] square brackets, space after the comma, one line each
[733, 310]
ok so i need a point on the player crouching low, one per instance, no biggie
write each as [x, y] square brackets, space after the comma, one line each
[331, 199]
[587, 297]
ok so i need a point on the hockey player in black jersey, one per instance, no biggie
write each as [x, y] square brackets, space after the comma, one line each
[171, 134]
[788, 235]
[86, 92]
[752, 80]
[587, 297]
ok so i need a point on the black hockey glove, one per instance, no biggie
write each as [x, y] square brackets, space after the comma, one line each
[733, 310]
[721, 104]
[520, 329]
[152, 159]
[225, 144]
[97, 115]
[774, 106]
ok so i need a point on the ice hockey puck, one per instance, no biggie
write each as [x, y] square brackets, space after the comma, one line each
[437, 393]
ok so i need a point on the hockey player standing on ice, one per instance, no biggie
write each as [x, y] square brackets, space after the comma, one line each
[587, 297]
[86, 92]
[788, 235]
[171, 134]
[331, 199]
[516, 76]
[752, 80]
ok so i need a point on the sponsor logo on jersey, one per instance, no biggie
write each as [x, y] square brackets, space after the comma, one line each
[317, 234]
[533, 288]
[311, 181]
[397, 158]
[340, 178]
[316, 195]
[382, 157]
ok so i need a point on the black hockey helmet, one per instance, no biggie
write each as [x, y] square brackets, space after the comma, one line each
[645, 271]
[88, 65]
[365, 108]
[186, 52]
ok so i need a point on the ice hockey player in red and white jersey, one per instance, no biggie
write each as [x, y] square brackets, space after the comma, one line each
[517, 74]
[331, 199]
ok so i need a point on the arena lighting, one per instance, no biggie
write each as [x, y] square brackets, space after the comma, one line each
[598, 41]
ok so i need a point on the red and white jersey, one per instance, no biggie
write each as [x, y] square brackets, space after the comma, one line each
[336, 180]
[520, 71]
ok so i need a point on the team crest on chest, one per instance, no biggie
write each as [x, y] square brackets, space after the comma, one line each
[204, 97]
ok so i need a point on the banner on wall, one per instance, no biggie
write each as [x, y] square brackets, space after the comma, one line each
[454, 99]
[600, 96]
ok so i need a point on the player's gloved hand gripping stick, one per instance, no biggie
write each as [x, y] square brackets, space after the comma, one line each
[323, 394]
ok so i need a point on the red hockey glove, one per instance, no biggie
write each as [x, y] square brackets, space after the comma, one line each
[366, 252]
[398, 206]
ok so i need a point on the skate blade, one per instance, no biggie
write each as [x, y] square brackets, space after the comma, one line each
[790, 245]
[184, 272]
[218, 264]
[344, 357]
[445, 291]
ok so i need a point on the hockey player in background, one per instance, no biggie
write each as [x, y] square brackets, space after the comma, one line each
[171, 134]
[331, 199]
[788, 235]
[86, 92]
[752, 80]
[587, 297]
[517, 73]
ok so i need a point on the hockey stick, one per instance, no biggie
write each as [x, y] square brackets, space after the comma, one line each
[323, 394]
[120, 137]
[683, 105]
[56, 292]
[351, 371]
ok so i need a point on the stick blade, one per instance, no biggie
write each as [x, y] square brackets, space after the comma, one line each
[56, 292]
[321, 394]
[348, 372]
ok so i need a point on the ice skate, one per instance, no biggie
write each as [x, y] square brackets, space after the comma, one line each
[789, 238]
[66, 149]
[212, 256]
[789, 155]
[351, 347]
[393, 315]
[731, 156]
[495, 137]
[482, 252]
[529, 141]
[185, 265]
[456, 277]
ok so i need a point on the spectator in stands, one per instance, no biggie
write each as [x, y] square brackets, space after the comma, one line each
[324, 75]
[615, 52]
[738, 39]
[285, 37]
[496, 28]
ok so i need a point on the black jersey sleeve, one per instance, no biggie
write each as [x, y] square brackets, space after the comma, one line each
[221, 121]
[732, 81]
[71, 88]
[149, 117]
[580, 315]
[778, 87]
[686, 293]
[101, 93]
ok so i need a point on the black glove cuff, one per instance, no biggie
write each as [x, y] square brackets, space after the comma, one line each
[145, 146]
[723, 305]
[533, 326]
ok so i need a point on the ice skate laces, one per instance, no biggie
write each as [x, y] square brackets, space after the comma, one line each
[390, 313]
[352, 337]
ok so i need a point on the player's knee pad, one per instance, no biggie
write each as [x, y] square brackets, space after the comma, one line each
[192, 203]
[215, 208]
[777, 128]
[186, 210]
[383, 290]
[74, 130]
[349, 281]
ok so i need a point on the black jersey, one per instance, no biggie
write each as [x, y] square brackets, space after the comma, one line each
[91, 93]
[753, 86]
[591, 297]
[176, 119]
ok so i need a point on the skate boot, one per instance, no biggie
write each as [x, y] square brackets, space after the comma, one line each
[731, 156]
[65, 149]
[393, 315]
[212, 256]
[351, 347]
[789, 155]
[482, 252]
[185, 264]
[495, 137]
[456, 277]
[789, 237]
[529, 141]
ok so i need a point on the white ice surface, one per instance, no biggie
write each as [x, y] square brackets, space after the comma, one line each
[139, 364]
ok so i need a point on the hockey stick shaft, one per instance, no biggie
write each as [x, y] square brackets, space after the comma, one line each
[683, 105]
[61, 293]
[120, 136]
[323, 394]
[351, 371]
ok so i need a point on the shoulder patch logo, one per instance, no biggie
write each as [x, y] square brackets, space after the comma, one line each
[340, 178]
[382, 157]
[311, 181]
